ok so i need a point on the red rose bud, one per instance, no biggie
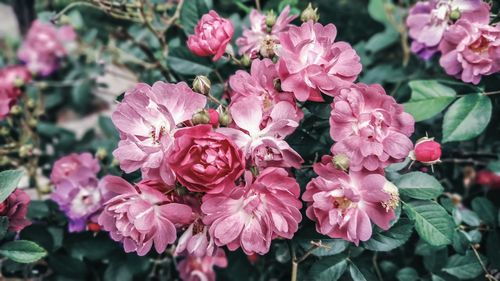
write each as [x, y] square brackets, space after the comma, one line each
[488, 178]
[253, 258]
[93, 227]
[427, 151]
[214, 117]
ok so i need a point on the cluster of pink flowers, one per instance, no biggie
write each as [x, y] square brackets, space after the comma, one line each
[44, 46]
[78, 191]
[461, 32]
[11, 79]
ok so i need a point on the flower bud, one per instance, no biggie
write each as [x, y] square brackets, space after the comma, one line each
[19, 82]
[15, 110]
[309, 13]
[4, 131]
[25, 150]
[488, 178]
[32, 122]
[214, 117]
[93, 227]
[245, 60]
[31, 103]
[225, 119]
[455, 15]
[270, 19]
[202, 85]
[341, 162]
[427, 151]
[101, 153]
[201, 117]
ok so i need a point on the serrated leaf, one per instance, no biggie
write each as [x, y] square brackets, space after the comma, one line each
[463, 267]
[466, 118]
[485, 210]
[419, 185]
[396, 236]
[432, 222]
[22, 251]
[329, 268]
[191, 13]
[428, 98]
[8, 182]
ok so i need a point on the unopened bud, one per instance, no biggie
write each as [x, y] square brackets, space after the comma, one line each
[341, 162]
[201, 117]
[270, 19]
[225, 119]
[245, 60]
[32, 122]
[4, 131]
[202, 85]
[101, 153]
[427, 151]
[31, 103]
[93, 227]
[4, 160]
[25, 150]
[115, 163]
[15, 110]
[214, 117]
[18, 82]
[455, 15]
[44, 189]
[309, 13]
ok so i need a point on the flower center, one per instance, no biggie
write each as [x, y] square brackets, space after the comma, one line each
[393, 200]
[157, 133]
[481, 45]
[342, 203]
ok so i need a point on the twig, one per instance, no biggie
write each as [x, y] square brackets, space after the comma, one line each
[487, 273]
[156, 33]
[257, 5]
[295, 265]
[71, 6]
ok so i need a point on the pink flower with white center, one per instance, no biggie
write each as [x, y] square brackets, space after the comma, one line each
[44, 46]
[370, 128]
[344, 205]
[194, 268]
[147, 119]
[260, 83]
[15, 207]
[74, 166]
[204, 160]
[264, 147]
[252, 39]
[141, 216]
[471, 50]
[311, 62]
[428, 20]
[11, 78]
[251, 216]
[211, 36]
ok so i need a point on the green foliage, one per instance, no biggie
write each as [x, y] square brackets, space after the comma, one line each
[8, 182]
[22, 251]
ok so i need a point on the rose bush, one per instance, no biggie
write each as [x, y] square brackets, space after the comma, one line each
[249, 140]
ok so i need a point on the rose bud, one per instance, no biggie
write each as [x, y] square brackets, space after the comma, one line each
[309, 13]
[202, 85]
[214, 117]
[341, 162]
[225, 119]
[201, 117]
[488, 178]
[270, 18]
[427, 151]
[93, 227]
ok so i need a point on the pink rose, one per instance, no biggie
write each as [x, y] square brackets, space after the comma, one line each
[15, 207]
[193, 268]
[141, 216]
[344, 205]
[470, 50]
[211, 36]
[11, 77]
[370, 128]
[74, 166]
[204, 160]
[251, 216]
[311, 62]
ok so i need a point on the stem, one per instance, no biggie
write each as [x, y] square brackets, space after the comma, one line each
[151, 28]
[375, 265]
[491, 93]
[257, 4]
[71, 6]
[487, 273]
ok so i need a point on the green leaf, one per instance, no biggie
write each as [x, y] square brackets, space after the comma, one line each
[485, 210]
[428, 98]
[182, 61]
[493, 248]
[463, 267]
[466, 118]
[432, 222]
[81, 93]
[4, 226]
[356, 274]
[419, 185]
[407, 274]
[8, 182]
[22, 251]
[329, 268]
[107, 127]
[191, 12]
[396, 236]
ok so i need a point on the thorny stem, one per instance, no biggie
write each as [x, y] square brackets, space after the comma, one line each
[487, 273]
[296, 261]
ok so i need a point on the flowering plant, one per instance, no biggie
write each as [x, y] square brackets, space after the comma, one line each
[250, 141]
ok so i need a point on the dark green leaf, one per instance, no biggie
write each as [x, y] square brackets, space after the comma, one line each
[4, 226]
[191, 12]
[22, 251]
[485, 210]
[407, 274]
[329, 268]
[428, 98]
[182, 61]
[396, 236]
[463, 267]
[8, 182]
[419, 185]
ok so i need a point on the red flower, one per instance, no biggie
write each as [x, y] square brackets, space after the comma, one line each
[15, 208]
[427, 151]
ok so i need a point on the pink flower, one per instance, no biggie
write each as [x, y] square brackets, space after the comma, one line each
[370, 127]
[147, 119]
[311, 62]
[74, 166]
[193, 268]
[428, 21]
[15, 207]
[251, 216]
[141, 216]
[264, 147]
[251, 40]
[344, 205]
[471, 50]
[211, 36]
[204, 160]
[260, 83]
[44, 46]
[10, 79]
